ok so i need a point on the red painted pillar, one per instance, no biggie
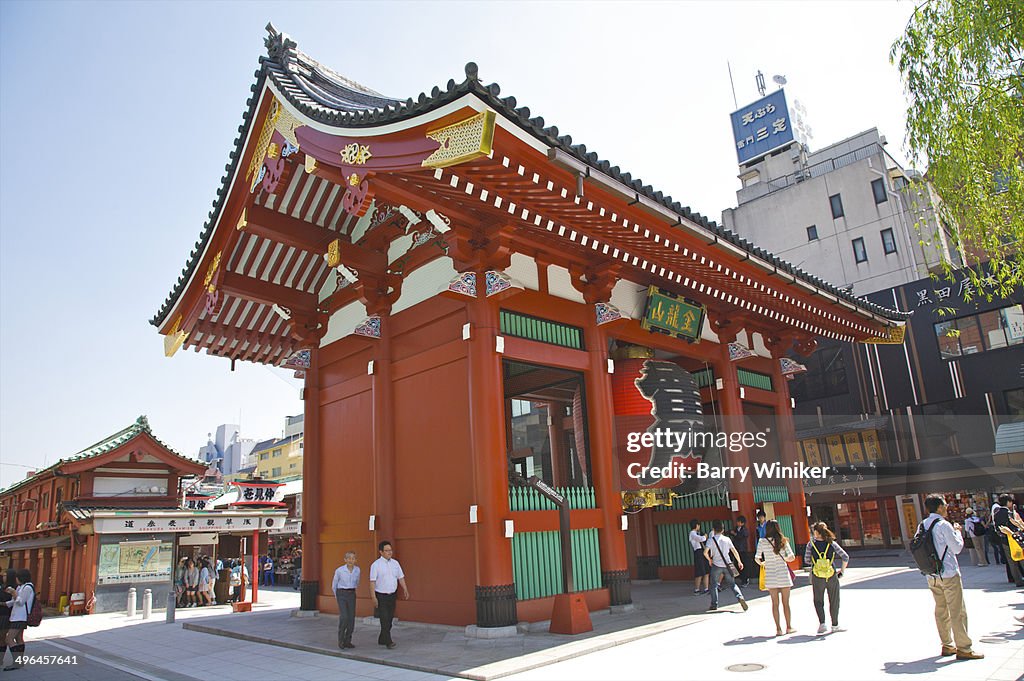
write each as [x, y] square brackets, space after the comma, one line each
[788, 451]
[383, 435]
[601, 419]
[732, 416]
[311, 522]
[495, 590]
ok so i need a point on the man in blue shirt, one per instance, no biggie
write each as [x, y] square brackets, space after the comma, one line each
[761, 522]
[346, 580]
[946, 587]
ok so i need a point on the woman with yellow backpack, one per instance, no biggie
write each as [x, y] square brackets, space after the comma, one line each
[821, 554]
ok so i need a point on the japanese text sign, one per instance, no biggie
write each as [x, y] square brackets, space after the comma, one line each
[762, 127]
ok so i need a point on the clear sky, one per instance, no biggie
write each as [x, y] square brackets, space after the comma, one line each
[116, 120]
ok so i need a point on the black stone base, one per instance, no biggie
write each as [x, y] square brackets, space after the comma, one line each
[647, 567]
[496, 606]
[619, 587]
[307, 593]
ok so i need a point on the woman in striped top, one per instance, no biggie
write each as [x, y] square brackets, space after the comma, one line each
[773, 552]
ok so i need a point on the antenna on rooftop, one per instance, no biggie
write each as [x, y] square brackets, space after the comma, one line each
[735, 104]
[779, 80]
[760, 82]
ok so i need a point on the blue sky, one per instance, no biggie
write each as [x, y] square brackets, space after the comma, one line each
[116, 120]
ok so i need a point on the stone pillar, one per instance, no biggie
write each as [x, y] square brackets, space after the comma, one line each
[495, 589]
[603, 464]
[311, 521]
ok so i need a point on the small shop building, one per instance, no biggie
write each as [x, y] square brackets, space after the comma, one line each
[111, 517]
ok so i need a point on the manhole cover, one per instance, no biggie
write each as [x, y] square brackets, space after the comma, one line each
[745, 667]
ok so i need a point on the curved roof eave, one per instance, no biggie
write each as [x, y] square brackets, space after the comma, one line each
[328, 98]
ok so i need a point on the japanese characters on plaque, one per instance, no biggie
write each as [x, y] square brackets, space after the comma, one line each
[762, 127]
[257, 494]
[198, 502]
[215, 522]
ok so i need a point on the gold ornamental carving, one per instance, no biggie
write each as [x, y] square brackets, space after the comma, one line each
[334, 253]
[174, 340]
[462, 141]
[281, 120]
[897, 334]
[637, 500]
[211, 271]
[356, 154]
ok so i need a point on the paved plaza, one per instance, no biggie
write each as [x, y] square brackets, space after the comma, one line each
[669, 635]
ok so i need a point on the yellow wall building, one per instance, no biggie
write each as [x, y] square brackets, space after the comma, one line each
[279, 459]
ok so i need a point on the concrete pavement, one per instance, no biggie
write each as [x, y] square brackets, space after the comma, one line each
[886, 607]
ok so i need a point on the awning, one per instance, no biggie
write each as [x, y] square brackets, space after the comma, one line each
[62, 542]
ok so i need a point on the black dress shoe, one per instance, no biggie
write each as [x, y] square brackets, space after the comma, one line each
[392, 645]
[347, 644]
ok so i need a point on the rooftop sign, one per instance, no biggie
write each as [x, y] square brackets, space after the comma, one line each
[762, 127]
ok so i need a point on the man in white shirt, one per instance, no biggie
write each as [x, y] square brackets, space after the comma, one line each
[700, 564]
[346, 581]
[717, 550]
[946, 587]
[385, 577]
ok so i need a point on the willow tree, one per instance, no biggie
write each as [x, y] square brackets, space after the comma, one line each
[963, 67]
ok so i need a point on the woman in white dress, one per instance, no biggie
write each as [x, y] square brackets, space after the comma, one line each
[773, 552]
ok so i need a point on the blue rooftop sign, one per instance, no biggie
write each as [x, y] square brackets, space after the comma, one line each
[762, 127]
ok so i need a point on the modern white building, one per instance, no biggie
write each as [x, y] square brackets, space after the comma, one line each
[848, 213]
[229, 447]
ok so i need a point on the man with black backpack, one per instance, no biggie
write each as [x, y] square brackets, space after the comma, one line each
[935, 548]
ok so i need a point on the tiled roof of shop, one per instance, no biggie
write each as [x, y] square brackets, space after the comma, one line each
[84, 512]
[327, 97]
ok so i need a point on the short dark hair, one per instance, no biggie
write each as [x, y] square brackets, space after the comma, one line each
[24, 576]
[716, 525]
[380, 546]
[741, 519]
[694, 523]
[934, 502]
[1004, 499]
[759, 514]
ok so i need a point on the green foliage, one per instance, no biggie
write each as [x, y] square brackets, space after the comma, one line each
[962, 62]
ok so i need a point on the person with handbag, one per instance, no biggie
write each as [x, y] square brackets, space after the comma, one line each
[22, 602]
[1001, 515]
[774, 553]
[821, 554]
[725, 562]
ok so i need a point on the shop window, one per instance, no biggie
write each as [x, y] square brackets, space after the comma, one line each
[860, 251]
[878, 189]
[812, 233]
[546, 424]
[888, 241]
[836, 201]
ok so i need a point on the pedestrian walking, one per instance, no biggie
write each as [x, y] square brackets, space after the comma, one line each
[297, 567]
[700, 563]
[725, 562]
[385, 577]
[974, 528]
[821, 554]
[10, 581]
[1001, 513]
[945, 583]
[205, 586]
[23, 599]
[268, 571]
[760, 527]
[774, 553]
[740, 536]
[191, 583]
[346, 581]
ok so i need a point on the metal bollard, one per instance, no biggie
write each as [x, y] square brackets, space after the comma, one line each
[131, 602]
[147, 603]
[172, 603]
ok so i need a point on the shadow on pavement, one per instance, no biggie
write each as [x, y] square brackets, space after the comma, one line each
[747, 640]
[926, 665]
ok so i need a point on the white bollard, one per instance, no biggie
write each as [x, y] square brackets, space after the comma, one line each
[147, 603]
[131, 602]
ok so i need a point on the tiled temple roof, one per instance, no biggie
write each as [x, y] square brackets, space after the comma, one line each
[329, 98]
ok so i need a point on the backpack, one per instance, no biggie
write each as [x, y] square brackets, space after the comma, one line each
[822, 566]
[923, 549]
[35, 613]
